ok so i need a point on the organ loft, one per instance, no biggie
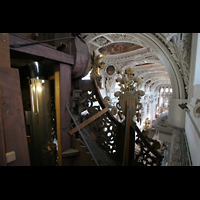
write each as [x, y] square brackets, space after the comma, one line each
[99, 99]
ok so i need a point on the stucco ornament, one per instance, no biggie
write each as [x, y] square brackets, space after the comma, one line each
[196, 109]
[179, 45]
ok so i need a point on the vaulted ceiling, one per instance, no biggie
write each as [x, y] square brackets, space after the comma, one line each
[125, 51]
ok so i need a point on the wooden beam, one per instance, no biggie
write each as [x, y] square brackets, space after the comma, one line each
[63, 119]
[65, 95]
[70, 152]
[29, 35]
[42, 50]
[57, 108]
[3, 161]
[13, 116]
[127, 138]
[4, 50]
[88, 121]
[93, 136]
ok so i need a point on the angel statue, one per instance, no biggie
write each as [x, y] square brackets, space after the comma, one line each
[97, 65]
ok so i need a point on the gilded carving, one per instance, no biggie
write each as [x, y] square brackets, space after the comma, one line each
[97, 65]
[147, 123]
[128, 86]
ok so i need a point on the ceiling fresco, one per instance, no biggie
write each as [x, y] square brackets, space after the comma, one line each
[125, 51]
[118, 48]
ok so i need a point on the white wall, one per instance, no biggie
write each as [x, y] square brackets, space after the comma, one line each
[176, 114]
[197, 63]
[193, 137]
[192, 123]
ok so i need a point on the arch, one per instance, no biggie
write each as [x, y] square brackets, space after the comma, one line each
[158, 85]
[162, 53]
[149, 77]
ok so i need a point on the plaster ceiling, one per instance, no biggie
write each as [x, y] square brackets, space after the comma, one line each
[125, 51]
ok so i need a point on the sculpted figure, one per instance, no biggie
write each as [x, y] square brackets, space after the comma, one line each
[97, 65]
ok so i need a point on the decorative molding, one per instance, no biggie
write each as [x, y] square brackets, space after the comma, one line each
[175, 152]
[136, 58]
[92, 47]
[124, 37]
[196, 109]
[179, 45]
[102, 41]
[105, 71]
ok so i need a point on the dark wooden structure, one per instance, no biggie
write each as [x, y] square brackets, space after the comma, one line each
[12, 132]
[70, 61]
[13, 139]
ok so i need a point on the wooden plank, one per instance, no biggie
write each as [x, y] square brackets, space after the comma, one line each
[4, 50]
[102, 102]
[126, 154]
[91, 119]
[3, 161]
[93, 136]
[57, 108]
[84, 159]
[63, 119]
[70, 152]
[41, 50]
[13, 116]
[65, 95]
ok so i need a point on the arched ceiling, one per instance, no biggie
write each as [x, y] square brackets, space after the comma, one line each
[125, 51]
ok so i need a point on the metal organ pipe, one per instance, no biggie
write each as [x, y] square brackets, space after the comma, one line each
[42, 149]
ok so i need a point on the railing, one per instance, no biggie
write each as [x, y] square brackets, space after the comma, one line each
[82, 135]
[185, 151]
[146, 154]
[109, 133]
[142, 153]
